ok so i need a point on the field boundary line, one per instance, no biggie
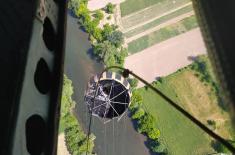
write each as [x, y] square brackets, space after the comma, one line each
[169, 22]
[157, 17]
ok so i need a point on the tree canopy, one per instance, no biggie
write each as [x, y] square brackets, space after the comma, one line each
[109, 8]
[116, 38]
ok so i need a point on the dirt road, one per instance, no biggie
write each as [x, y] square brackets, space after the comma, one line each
[98, 4]
[61, 147]
[166, 57]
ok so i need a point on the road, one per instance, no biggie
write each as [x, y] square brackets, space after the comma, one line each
[98, 4]
[62, 149]
[166, 57]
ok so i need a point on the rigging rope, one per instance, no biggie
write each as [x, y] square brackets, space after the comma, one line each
[126, 73]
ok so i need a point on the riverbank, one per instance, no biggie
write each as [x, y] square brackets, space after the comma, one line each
[79, 67]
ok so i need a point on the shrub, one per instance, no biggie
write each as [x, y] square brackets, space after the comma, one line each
[157, 147]
[136, 100]
[211, 123]
[99, 15]
[109, 8]
[154, 134]
[107, 31]
[138, 113]
[133, 82]
[146, 123]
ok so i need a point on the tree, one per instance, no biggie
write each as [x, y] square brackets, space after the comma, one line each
[97, 33]
[73, 5]
[90, 26]
[116, 38]
[138, 113]
[154, 134]
[146, 123]
[109, 8]
[105, 51]
[74, 136]
[107, 31]
[82, 10]
[66, 100]
[82, 148]
[110, 61]
[157, 147]
[133, 82]
[120, 56]
[99, 15]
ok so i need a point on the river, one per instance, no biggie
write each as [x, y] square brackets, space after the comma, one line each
[113, 138]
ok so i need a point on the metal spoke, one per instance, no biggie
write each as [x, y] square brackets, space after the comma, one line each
[113, 109]
[111, 90]
[99, 106]
[119, 102]
[118, 94]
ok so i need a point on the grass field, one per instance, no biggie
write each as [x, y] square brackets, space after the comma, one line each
[162, 34]
[154, 11]
[136, 5]
[179, 134]
[158, 21]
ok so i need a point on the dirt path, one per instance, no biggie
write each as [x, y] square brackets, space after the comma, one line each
[61, 147]
[152, 19]
[169, 22]
[166, 57]
[98, 4]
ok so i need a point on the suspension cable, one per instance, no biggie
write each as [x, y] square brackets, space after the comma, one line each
[127, 72]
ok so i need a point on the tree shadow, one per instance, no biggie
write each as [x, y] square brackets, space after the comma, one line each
[147, 144]
[92, 56]
[71, 13]
[81, 28]
[192, 58]
[157, 78]
[134, 122]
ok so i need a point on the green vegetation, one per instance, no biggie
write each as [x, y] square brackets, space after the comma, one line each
[133, 82]
[154, 11]
[109, 8]
[116, 38]
[145, 122]
[162, 34]
[99, 15]
[109, 54]
[107, 41]
[158, 21]
[75, 137]
[130, 6]
[220, 148]
[179, 134]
